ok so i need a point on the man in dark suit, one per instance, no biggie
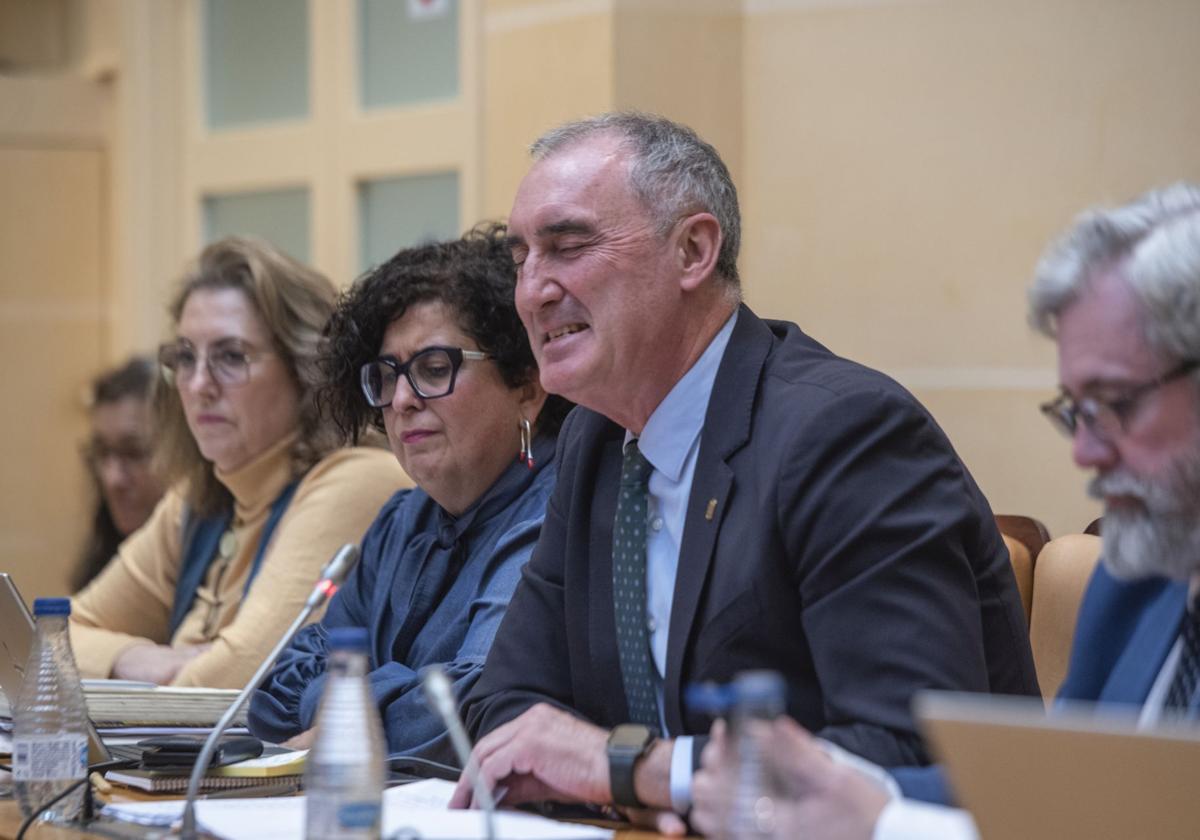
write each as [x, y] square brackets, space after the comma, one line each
[731, 496]
[1120, 293]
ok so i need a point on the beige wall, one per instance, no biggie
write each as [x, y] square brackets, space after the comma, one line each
[901, 163]
[907, 161]
[55, 287]
[544, 62]
[52, 317]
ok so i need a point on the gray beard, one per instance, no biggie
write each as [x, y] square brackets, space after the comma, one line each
[1161, 535]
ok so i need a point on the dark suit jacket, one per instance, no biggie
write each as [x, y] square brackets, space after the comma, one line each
[1123, 634]
[847, 548]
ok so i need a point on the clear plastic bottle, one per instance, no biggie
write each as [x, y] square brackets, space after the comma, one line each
[50, 719]
[758, 698]
[345, 771]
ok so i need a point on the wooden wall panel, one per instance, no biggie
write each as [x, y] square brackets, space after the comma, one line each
[51, 341]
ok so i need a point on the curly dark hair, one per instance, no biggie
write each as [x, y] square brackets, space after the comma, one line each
[474, 276]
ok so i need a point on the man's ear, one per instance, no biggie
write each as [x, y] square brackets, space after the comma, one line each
[697, 244]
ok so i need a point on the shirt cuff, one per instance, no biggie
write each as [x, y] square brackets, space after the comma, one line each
[907, 819]
[681, 775]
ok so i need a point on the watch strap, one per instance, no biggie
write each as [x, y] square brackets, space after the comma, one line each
[624, 750]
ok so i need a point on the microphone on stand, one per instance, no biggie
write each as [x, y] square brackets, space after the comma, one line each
[332, 576]
[441, 697]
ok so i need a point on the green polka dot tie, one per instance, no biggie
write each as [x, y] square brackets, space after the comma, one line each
[629, 588]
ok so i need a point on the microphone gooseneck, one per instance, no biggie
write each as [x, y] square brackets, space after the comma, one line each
[441, 697]
[332, 576]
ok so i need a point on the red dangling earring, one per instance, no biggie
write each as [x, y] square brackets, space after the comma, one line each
[526, 453]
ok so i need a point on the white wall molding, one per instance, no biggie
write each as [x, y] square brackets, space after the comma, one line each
[975, 378]
[539, 14]
[775, 7]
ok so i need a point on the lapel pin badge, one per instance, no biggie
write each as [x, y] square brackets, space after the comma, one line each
[710, 510]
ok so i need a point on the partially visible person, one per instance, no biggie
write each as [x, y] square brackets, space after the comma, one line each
[261, 494]
[827, 793]
[118, 459]
[731, 496]
[429, 348]
[1120, 293]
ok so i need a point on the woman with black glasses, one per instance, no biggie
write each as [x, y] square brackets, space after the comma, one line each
[429, 348]
[261, 493]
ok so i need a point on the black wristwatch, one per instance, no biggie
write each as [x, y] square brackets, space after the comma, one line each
[626, 744]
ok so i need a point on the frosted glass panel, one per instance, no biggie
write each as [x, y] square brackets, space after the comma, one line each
[279, 216]
[398, 212]
[256, 53]
[409, 51]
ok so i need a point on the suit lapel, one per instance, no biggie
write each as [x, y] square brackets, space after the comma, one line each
[726, 429]
[1135, 672]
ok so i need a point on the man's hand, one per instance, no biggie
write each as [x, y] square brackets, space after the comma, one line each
[545, 754]
[713, 784]
[821, 799]
[652, 819]
[158, 664]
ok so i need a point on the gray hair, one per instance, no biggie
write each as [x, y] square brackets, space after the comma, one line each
[673, 173]
[1156, 241]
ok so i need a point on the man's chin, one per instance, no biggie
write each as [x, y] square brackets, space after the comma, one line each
[1138, 546]
[564, 378]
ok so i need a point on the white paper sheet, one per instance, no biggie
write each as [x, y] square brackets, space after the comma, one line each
[419, 808]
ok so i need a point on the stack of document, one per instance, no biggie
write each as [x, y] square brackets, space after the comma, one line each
[121, 704]
[279, 768]
[416, 810]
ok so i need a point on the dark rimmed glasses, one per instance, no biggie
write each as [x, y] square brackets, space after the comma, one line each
[227, 361]
[431, 373]
[1106, 419]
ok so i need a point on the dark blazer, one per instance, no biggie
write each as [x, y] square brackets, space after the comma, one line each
[832, 535]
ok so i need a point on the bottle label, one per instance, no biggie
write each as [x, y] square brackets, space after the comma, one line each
[358, 814]
[44, 758]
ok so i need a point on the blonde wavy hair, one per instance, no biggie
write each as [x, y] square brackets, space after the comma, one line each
[294, 303]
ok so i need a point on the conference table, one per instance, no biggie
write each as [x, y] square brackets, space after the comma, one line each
[10, 821]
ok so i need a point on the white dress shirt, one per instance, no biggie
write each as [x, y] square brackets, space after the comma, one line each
[670, 441]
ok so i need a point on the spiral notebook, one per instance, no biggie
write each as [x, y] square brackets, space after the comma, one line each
[168, 781]
[283, 768]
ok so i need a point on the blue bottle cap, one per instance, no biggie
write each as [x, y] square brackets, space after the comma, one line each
[51, 606]
[759, 687]
[709, 698]
[348, 638]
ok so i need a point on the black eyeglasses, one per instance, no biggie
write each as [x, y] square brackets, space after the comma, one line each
[1106, 419]
[431, 373]
[227, 361]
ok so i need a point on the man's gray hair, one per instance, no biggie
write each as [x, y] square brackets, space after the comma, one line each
[673, 173]
[1155, 243]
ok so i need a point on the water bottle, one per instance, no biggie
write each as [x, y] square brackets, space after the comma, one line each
[344, 773]
[758, 698]
[50, 719]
